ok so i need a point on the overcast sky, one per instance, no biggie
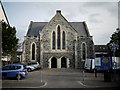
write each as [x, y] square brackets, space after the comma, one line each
[101, 17]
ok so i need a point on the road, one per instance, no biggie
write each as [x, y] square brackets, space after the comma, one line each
[59, 78]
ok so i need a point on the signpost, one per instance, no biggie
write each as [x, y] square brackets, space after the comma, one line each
[103, 63]
[83, 74]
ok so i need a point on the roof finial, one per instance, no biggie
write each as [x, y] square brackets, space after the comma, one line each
[58, 11]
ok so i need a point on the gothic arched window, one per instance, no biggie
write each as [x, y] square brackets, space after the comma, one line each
[33, 51]
[58, 37]
[53, 40]
[63, 40]
[84, 51]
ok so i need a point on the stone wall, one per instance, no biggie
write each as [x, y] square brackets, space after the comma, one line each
[52, 26]
[27, 49]
[46, 36]
[89, 46]
[73, 41]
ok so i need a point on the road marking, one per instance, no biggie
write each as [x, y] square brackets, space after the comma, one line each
[29, 87]
[44, 84]
[82, 84]
[85, 85]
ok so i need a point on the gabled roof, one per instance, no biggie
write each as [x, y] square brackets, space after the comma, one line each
[79, 27]
[36, 27]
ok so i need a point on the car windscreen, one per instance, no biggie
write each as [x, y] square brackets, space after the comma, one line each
[11, 67]
[5, 68]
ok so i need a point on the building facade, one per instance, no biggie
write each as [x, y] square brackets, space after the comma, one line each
[101, 50]
[58, 43]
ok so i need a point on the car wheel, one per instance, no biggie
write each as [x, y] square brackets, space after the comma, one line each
[18, 76]
[29, 70]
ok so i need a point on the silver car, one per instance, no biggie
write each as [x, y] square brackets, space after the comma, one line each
[36, 65]
[30, 68]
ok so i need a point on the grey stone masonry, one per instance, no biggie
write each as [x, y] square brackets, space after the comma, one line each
[41, 34]
[27, 49]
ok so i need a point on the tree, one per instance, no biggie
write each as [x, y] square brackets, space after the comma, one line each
[9, 40]
[115, 38]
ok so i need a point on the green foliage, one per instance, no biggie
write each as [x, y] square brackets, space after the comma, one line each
[9, 39]
[115, 38]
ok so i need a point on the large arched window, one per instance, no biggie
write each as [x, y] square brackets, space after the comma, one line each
[53, 40]
[58, 37]
[33, 51]
[63, 40]
[84, 51]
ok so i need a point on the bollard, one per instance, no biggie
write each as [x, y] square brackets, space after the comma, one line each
[83, 75]
[114, 74]
[18, 76]
[41, 75]
[95, 71]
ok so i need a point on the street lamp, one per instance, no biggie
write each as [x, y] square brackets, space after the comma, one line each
[114, 48]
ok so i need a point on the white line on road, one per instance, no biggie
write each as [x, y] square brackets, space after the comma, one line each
[44, 84]
[85, 85]
[82, 84]
[29, 87]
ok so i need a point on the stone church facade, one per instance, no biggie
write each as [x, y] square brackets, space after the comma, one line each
[58, 43]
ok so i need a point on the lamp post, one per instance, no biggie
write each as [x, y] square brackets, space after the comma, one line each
[114, 47]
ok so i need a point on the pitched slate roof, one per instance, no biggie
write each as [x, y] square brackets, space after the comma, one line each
[36, 27]
[81, 28]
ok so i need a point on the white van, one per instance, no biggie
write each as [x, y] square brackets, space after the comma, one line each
[89, 64]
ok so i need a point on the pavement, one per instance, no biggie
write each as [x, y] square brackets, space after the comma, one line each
[60, 78]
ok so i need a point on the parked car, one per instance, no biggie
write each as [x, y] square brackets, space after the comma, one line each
[17, 71]
[36, 65]
[30, 68]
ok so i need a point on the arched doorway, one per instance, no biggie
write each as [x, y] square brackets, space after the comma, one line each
[63, 62]
[53, 62]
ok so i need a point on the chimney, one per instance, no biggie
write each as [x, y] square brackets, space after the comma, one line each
[58, 11]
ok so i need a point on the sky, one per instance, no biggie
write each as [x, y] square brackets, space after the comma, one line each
[101, 17]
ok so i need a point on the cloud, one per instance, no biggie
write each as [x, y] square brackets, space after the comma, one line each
[111, 7]
[94, 4]
[21, 32]
[94, 18]
[98, 4]
[101, 17]
[60, 0]
[119, 14]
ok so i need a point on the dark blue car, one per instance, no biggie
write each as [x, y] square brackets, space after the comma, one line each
[17, 71]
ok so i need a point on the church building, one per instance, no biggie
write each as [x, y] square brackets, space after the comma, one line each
[58, 43]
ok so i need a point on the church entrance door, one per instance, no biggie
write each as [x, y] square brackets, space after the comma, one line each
[63, 62]
[53, 62]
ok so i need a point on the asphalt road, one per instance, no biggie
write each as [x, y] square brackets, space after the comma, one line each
[59, 78]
